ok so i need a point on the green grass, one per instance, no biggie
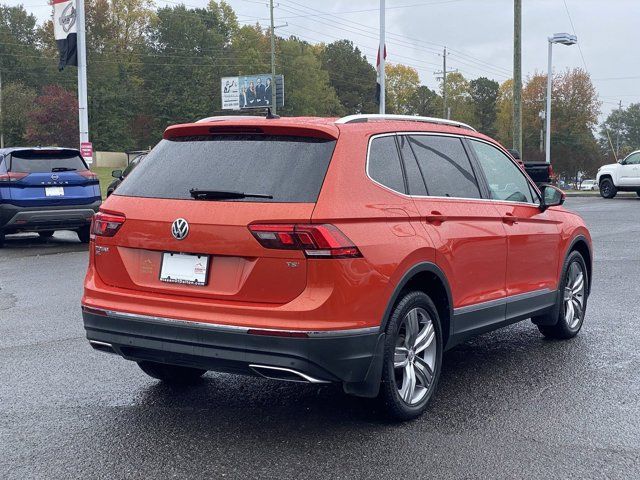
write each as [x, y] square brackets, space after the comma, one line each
[104, 175]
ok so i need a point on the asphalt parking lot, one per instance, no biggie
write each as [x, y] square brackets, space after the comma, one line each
[510, 404]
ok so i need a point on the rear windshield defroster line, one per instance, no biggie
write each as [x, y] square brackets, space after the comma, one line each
[288, 168]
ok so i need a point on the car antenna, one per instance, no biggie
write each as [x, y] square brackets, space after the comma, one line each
[271, 116]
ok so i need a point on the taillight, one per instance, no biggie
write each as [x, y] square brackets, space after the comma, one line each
[106, 224]
[12, 176]
[88, 174]
[317, 241]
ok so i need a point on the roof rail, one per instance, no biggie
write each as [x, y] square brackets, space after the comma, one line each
[363, 118]
[222, 118]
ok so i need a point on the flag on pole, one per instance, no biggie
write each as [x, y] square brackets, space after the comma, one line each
[379, 73]
[65, 30]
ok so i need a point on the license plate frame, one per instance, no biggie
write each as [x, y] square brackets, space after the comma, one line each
[185, 269]
[54, 191]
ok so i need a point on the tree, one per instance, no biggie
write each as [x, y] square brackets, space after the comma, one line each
[308, 89]
[622, 126]
[402, 83]
[54, 119]
[484, 94]
[504, 117]
[351, 75]
[426, 102]
[17, 99]
[459, 98]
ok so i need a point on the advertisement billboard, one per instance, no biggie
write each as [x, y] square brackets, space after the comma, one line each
[251, 91]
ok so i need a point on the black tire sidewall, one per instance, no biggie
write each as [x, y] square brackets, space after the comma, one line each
[396, 407]
[562, 325]
[611, 189]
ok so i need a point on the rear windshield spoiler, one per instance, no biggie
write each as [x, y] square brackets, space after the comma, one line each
[261, 127]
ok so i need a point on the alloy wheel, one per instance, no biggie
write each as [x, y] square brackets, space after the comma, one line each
[415, 356]
[574, 295]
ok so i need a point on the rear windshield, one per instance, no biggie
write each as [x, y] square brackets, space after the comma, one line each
[290, 169]
[45, 162]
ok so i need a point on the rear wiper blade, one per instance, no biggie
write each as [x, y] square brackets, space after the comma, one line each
[63, 169]
[223, 194]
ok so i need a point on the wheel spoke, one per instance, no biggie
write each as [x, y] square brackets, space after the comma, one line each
[408, 383]
[577, 310]
[424, 373]
[578, 284]
[569, 312]
[400, 358]
[425, 338]
[412, 326]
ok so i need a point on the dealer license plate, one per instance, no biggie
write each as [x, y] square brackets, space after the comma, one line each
[184, 268]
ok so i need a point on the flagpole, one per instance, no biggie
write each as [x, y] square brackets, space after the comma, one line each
[381, 54]
[83, 114]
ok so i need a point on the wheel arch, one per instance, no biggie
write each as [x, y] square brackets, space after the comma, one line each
[581, 245]
[606, 175]
[430, 279]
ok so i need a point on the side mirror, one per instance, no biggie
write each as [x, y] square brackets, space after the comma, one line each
[551, 197]
[116, 173]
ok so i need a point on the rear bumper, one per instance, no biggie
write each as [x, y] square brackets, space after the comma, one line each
[14, 218]
[353, 357]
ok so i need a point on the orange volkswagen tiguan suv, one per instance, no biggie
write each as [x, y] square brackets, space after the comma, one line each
[319, 250]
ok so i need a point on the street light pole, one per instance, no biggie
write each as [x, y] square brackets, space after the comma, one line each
[563, 39]
[548, 110]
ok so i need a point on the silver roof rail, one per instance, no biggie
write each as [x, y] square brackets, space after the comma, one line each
[222, 118]
[404, 118]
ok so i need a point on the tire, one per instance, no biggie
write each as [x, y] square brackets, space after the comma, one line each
[84, 234]
[607, 188]
[569, 324]
[46, 234]
[409, 374]
[171, 374]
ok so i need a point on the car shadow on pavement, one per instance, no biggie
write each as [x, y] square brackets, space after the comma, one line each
[30, 244]
[479, 379]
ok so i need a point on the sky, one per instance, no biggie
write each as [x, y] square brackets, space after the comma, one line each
[478, 34]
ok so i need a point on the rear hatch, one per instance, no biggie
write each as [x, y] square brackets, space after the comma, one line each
[173, 243]
[40, 177]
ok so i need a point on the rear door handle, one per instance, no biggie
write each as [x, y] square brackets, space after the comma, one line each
[509, 218]
[435, 217]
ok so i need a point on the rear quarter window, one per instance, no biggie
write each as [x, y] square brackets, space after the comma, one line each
[384, 163]
[289, 168]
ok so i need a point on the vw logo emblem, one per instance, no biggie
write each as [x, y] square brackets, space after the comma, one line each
[180, 229]
[54, 177]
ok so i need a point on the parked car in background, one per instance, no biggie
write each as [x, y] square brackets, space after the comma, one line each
[588, 185]
[353, 250]
[623, 176]
[44, 189]
[120, 175]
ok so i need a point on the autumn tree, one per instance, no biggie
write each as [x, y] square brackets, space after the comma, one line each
[17, 100]
[459, 98]
[54, 118]
[504, 114]
[402, 83]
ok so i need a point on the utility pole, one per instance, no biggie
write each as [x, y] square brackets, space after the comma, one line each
[517, 76]
[273, 62]
[446, 111]
[82, 74]
[381, 55]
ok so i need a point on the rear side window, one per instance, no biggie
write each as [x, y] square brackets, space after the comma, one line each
[384, 163]
[33, 161]
[291, 169]
[445, 166]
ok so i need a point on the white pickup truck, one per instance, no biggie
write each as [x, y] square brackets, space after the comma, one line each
[623, 176]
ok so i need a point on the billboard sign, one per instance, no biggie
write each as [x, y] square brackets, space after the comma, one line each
[251, 91]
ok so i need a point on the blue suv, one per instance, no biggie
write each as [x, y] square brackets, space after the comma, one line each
[46, 189]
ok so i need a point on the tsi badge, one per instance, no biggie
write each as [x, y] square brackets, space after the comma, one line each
[180, 229]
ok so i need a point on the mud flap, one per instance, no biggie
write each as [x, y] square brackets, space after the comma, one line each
[370, 386]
